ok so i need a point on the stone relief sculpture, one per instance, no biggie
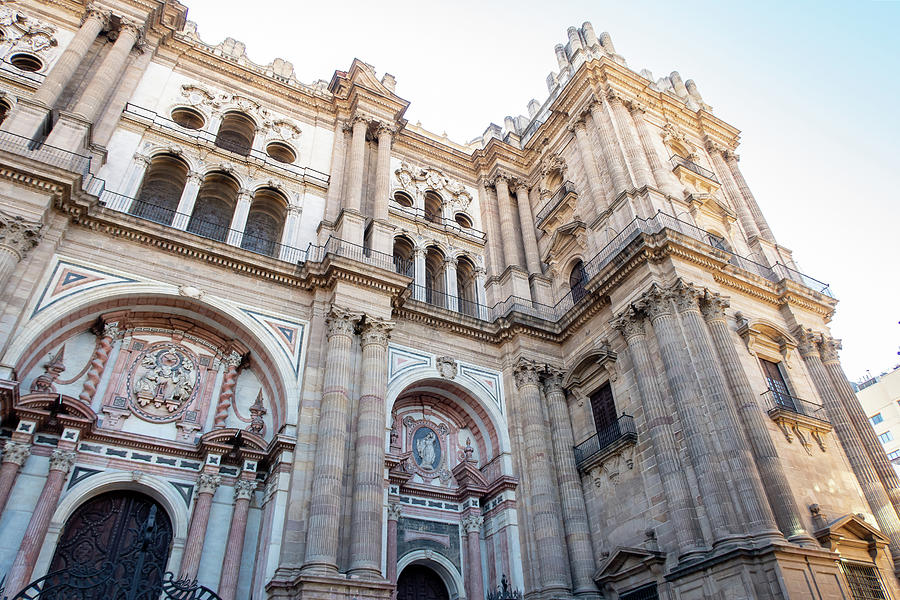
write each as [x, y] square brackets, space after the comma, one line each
[425, 448]
[417, 180]
[164, 381]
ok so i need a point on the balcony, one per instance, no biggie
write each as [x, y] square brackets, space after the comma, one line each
[680, 161]
[42, 153]
[798, 419]
[603, 444]
[454, 304]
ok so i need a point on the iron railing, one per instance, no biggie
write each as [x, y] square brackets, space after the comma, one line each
[645, 592]
[504, 591]
[775, 399]
[453, 303]
[50, 155]
[621, 429]
[680, 161]
[566, 188]
[437, 221]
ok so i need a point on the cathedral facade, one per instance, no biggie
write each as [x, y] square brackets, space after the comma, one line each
[269, 337]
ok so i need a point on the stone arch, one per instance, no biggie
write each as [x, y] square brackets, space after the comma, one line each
[214, 208]
[404, 255]
[237, 131]
[151, 485]
[161, 188]
[265, 220]
[433, 206]
[445, 569]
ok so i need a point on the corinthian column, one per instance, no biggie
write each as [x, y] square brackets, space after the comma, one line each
[657, 304]
[106, 76]
[510, 254]
[571, 494]
[829, 352]
[878, 500]
[526, 221]
[657, 414]
[612, 153]
[732, 160]
[98, 361]
[665, 180]
[234, 548]
[717, 153]
[382, 238]
[61, 462]
[17, 237]
[193, 548]
[14, 456]
[353, 197]
[368, 480]
[635, 154]
[543, 508]
[595, 182]
[328, 472]
[472, 524]
[750, 415]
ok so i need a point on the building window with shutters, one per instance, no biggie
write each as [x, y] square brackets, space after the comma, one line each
[864, 581]
[777, 385]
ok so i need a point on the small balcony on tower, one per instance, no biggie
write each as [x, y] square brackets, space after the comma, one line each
[606, 442]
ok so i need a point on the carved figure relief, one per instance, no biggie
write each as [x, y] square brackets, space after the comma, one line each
[163, 380]
[446, 366]
[426, 442]
[427, 450]
[417, 180]
[25, 33]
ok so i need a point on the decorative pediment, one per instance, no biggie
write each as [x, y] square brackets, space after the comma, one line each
[627, 561]
[594, 364]
[848, 531]
[51, 409]
[765, 339]
[712, 205]
[469, 479]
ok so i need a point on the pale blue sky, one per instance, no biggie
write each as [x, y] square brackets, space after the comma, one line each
[812, 85]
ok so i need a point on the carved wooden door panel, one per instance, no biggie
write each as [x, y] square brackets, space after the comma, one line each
[420, 583]
[129, 532]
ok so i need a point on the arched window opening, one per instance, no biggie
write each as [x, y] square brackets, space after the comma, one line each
[404, 261]
[188, 118]
[403, 199]
[463, 220]
[265, 222]
[576, 281]
[554, 180]
[281, 152]
[435, 290]
[236, 133]
[465, 287]
[160, 191]
[26, 62]
[433, 207]
[5, 107]
[214, 208]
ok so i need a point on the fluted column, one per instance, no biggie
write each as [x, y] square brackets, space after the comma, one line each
[657, 414]
[543, 509]
[353, 197]
[61, 462]
[529, 238]
[717, 153]
[187, 201]
[234, 548]
[657, 304]
[508, 230]
[193, 547]
[595, 182]
[393, 516]
[95, 19]
[611, 152]
[750, 415]
[328, 471]
[98, 361]
[133, 178]
[385, 135]
[105, 77]
[571, 494]
[665, 179]
[736, 460]
[14, 456]
[17, 237]
[474, 577]
[873, 490]
[368, 480]
[338, 160]
[732, 160]
[239, 218]
[829, 352]
[633, 151]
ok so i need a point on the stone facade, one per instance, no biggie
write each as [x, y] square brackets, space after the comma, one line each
[332, 350]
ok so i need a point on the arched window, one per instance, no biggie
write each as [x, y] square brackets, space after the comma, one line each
[188, 118]
[463, 220]
[236, 133]
[465, 287]
[265, 222]
[433, 207]
[403, 199]
[577, 281]
[157, 200]
[404, 262]
[435, 290]
[215, 206]
[5, 107]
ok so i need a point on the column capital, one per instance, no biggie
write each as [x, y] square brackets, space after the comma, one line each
[207, 483]
[376, 331]
[394, 510]
[293, 209]
[95, 11]
[577, 123]
[360, 119]
[526, 372]
[233, 360]
[636, 107]
[16, 452]
[130, 27]
[243, 489]
[808, 342]
[713, 306]
[501, 177]
[615, 96]
[143, 159]
[245, 195]
[110, 329]
[192, 176]
[629, 323]
[19, 234]
[473, 523]
[62, 460]
[383, 128]
[714, 147]
[553, 379]
[655, 302]
[685, 295]
[341, 321]
[828, 349]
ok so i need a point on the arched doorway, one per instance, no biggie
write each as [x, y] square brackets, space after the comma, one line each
[418, 582]
[126, 530]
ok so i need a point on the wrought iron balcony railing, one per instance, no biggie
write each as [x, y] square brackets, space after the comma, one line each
[452, 303]
[778, 400]
[620, 430]
[680, 161]
[50, 155]
[437, 221]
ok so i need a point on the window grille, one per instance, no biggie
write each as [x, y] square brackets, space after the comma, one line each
[645, 592]
[864, 581]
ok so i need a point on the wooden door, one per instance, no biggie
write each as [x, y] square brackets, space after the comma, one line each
[417, 582]
[603, 407]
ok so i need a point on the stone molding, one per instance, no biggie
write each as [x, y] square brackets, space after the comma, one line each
[713, 306]
[828, 349]
[19, 234]
[207, 483]
[394, 511]
[16, 452]
[630, 323]
[243, 489]
[473, 523]
[62, 460]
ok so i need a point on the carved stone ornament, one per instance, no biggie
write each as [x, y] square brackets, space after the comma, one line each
[427, 443]
[162, 382]
[16, 452]
[19, 234]
[472, 523]
[257, 410]
[553, 379]
[207, 483]
[808, 343]
[394, 510]
[376, 331]
[26, 33]
[243, 489]
[527, 372]
[713, 306]
[828, 348]
[446, 366]
[685, 296]
[415, 181]
[655, 302]
[341, 321]
[61, 460]
[629, 323]
[609, 472]
[45, 382]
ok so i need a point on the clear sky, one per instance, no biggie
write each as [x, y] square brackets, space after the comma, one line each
[813, 86]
